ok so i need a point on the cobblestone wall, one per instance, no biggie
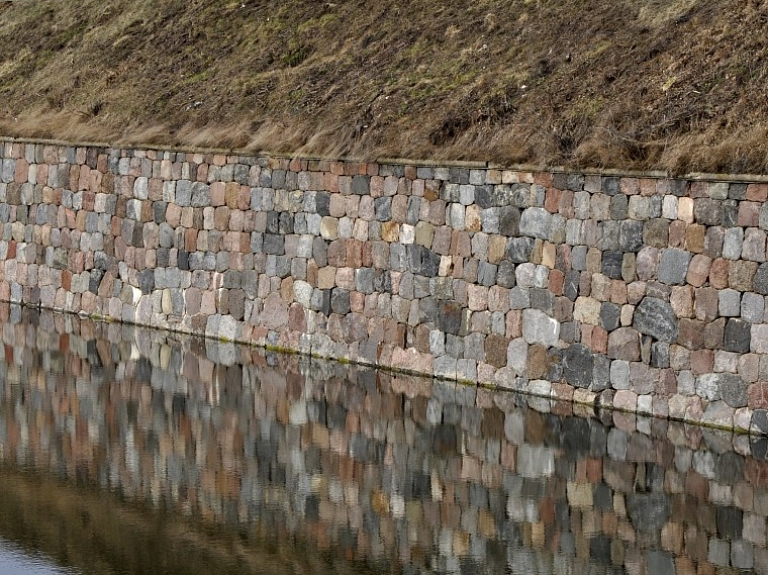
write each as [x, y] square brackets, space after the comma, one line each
[373, 466]
[647, 294]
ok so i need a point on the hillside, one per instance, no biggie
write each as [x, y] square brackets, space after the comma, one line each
[679, 85]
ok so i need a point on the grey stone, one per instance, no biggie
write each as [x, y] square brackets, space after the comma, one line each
[538, 327]
[578, 365]
[619, 207]
[648, 511]
[519, 298]
[535, 222]
[742, 554]
[601, 373]
[535, 461]
[737, 335]
[612, 263]
[361, 185]
[729, 303]
[732, 243]
[486, 274]
[519, 249]
[509, 221]
[726, 386]
[449, 319]
[673, 266]
[656, 318]
[761, 279]
[505, 274]
[630, 235]
[659, 563]
[730, 215]
[752, 307]
[340, 301]
[383, 209]
[610, 316]
[200, 195]
[707, 211]
[660, 355]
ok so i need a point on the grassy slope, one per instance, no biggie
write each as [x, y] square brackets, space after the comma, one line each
[660, 84]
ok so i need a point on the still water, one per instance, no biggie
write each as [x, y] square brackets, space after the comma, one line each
[125, 450]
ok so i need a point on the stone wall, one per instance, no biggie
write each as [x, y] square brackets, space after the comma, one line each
[642, 293]
[372, 466]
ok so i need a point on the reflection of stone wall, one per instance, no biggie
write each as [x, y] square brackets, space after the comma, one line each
[376, 466]
[646, 294]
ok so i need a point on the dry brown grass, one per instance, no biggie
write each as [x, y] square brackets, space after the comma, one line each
[678, 85]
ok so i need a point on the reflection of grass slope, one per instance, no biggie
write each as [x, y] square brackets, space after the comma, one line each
[98, 533]
[676, 84]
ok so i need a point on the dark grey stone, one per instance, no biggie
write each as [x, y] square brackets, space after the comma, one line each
[612, 262]
[708, 211]
[158, 212]
[729, 468]
[364, 280]
[610, 185]
[323, 203]
[486, 274]
[737, 191]
[285, 223]
[648, 511]
[660, 355]
[383, 209]
[361, 185]
[449, 317]
[730, 522]
[601, 372]
[631, 235]
[610, 316]
[761, 279]
[656, 318]
[656, 233]
[509, 221]
[320, 251]
[485, 197]
[737, 335]
[571, 285]
[578, 365]
[519, 249]
[412, 211]
[733, 389]
[340, 301]
[505, 274]
[542, 299]
[659, 563]
[619, 207]
[274, 244]
[730, 213]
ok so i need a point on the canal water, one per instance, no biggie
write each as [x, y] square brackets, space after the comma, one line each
[127, 450]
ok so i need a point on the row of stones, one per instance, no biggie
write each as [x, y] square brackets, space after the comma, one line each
[597, 513]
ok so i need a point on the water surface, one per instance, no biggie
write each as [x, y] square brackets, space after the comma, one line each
[125, 450]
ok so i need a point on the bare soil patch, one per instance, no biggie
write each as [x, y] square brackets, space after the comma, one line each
[677, 85]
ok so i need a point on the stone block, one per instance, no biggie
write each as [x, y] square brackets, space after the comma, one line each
[624, 344]
[729, 303]
[656, 318]
[540, 328]
[673, 266]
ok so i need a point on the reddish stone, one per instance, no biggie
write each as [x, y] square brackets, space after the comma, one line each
[691, 333]
[713, 334]
[718, 273]
[749, 214]
[698, 270]
[552, 201]
[757, 395]
[556, 281]
[757, 192]
[495, 350]
[702, 361]
[677, 233]
[706, 304]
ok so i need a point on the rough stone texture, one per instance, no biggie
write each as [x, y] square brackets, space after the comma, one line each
[656, 318]
[561, 284]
